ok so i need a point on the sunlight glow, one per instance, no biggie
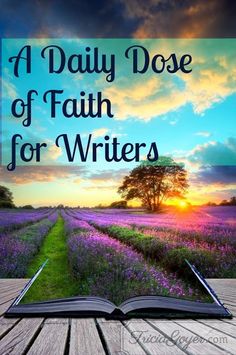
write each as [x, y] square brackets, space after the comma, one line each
[183, 204]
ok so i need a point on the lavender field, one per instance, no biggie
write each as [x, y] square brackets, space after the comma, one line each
[206, 236]
[120, 253]
[21, 235]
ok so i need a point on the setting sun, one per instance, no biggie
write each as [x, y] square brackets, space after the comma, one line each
[183, 204]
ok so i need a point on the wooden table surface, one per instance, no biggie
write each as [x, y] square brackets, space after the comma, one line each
[98, 336]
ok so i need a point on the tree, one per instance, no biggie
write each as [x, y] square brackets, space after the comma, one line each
[232, 201]
[154, 183]
[211, 204]
[6, 198]
[119, 204]
[28, 207]
[224, 203]
[61, 206]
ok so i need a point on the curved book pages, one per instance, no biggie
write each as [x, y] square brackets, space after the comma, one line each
[140, 306]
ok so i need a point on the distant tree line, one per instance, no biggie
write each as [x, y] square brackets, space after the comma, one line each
[230, 202]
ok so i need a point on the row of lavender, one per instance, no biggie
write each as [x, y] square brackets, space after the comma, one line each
[107, 268]
[19, 246]
[12, 219]
[202, 222]
[211, 247]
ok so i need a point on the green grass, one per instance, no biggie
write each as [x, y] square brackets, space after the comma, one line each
[55, 281]
[170, 257]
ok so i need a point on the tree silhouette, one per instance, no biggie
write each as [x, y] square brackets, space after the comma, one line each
[6, 198]
[231, 202]
[154, 183]
[119, 204]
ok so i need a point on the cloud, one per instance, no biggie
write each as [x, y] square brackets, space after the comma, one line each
[59, 18]
[97, 133]
[217, 175]
[100, 132]
[212, 80]
[215, 193]
[53, 153]
[108, 175]
[118, 18]
[9, 90]
[145, 102]
[112, 187]
[32, 174]
[212, 183]
[147, 96]
[191, 19]
[214, 153]
[117, 135]
[48, 154]
[203, 134]
[105, 180]
[199, 87]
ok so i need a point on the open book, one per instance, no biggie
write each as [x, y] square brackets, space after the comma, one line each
[140, 306]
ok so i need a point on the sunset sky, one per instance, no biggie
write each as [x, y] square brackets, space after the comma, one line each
[191, 117]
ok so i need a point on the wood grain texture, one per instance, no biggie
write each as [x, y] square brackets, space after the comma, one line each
[152, 340]
[51, 339]
[19, 338]
[6, 324]
[118, 339]
[84, 338]
[184, 338]
[216, 337]
[5, 306]
[90, 336]
[225, 328]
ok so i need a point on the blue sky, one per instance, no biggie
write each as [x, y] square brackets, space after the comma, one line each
[164, 108]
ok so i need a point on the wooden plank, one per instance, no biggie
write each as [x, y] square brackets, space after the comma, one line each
[6, 290]
[220, 340]
[11, 286]
[84, 338]
[227, 328]
[224, 289]
[11, 282]
[6, 324]
[9, 296]
[151, 340]
[6, 282]
[5, 306]
[10, 290]
[233, 320]
[118, 339]
[221, 285]
[222, 282]
[231, 308]
[52, 338]
[18, 339]
[229, 299]
[184, 338]
[226, 293]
